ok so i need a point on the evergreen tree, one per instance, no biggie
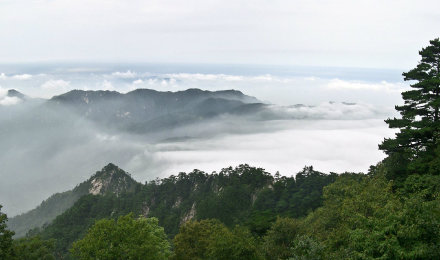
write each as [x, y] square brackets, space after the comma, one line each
[211, 239]
[33, 248]
[416, 144]
[5, 237]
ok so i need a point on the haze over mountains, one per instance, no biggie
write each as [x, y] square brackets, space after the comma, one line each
[143, 110]
[154, 134]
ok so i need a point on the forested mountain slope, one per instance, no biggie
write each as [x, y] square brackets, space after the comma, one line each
[243, 195]
[110, 179]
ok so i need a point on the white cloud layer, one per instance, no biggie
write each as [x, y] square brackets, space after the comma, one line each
[22, 76]
[338, 84]
[125, 75]
[332, 136]
[333, 111]
[328, 145]
[106, 85]
[8, 101]
[55, 85]
[138, 82]
[56, 157]
[25, 76]
[5, 100]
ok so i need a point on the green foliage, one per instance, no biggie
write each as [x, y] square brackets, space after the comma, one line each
[238, 244]
[210, 239]
[280, 238]
[306, 248]
[33, 248]
[194, 239]
[427, 186]
[364, 218]
[415, 146]
[361, 217]
[73, 224]
[5, 237]
[260, 221]
[126, 238]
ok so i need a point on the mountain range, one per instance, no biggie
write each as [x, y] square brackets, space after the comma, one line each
[145, 110]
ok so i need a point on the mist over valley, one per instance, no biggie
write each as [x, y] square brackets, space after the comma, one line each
[56, 134]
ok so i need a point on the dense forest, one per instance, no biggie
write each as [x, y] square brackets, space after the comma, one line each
[391, 212]
[244, 195]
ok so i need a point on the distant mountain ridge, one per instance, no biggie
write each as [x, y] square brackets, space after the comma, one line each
[146, 110]
[184, 95]
[111, 179]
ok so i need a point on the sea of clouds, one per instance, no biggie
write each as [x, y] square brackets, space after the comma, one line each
[333, 123]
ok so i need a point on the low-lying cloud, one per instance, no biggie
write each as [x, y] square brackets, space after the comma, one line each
[55, 85]
[332, 111]
[22, 76]
[47, 151]
[5, 100]
[329, 145]
[9, 101]
[125, 75]
[382, 86]
[25, 76]
[337, 128]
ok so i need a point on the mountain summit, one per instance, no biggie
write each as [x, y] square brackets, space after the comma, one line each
[110, 180]
[15, 93]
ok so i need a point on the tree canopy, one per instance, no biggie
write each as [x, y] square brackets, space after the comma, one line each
[33, 248]
[126, 238]
[5, 237]
[416, 144]
[211, 239]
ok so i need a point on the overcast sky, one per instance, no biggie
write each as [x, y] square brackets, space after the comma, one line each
[373, 33]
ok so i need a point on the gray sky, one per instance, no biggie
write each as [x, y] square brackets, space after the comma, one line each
[382, 34]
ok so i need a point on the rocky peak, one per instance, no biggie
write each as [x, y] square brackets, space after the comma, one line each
[15, 93]
[111, 179]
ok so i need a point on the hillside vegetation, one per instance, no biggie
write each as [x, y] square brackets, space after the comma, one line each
[244, 195]
[110, 179]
